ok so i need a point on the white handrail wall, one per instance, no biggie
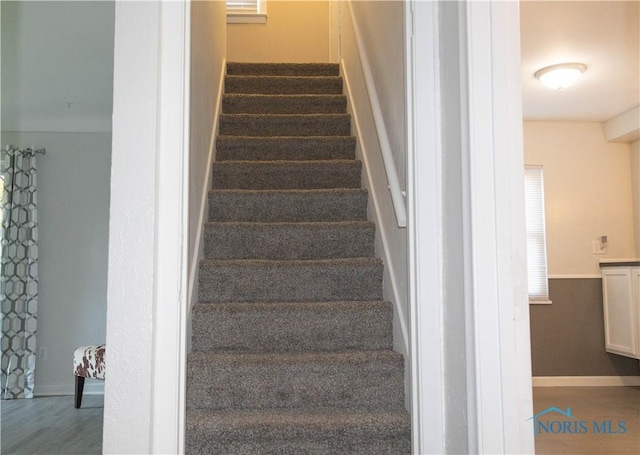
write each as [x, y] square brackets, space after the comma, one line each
[203, 210]
[391, 240]
[380, 225]
[397, 194]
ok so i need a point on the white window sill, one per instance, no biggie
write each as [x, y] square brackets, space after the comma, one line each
[246, 18]
[539, 302]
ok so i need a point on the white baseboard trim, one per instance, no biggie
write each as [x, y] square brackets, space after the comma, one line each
[96, 388]
[586, 381]
[574, 276]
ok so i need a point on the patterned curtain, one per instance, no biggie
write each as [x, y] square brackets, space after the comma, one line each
[19, 283]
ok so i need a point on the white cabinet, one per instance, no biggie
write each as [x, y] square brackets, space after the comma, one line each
[621, 298]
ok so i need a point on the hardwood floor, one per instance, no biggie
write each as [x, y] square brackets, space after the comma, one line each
[51, 425]
[589, 404]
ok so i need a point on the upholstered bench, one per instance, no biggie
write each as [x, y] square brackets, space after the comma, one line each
[88, 362]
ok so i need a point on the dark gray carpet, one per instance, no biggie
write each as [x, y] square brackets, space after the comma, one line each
[248, 148]
[284, 104]
[292, 341]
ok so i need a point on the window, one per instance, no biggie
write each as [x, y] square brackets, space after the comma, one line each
[246, 11]
[536, 236]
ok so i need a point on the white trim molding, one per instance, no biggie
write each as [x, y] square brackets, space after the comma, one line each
[498, 356]
[147, 283]
[424, 211]
[95, 388]
[171, 226]
[575, 276]
[586, 381]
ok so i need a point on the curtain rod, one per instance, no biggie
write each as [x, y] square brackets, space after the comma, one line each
[41, 151]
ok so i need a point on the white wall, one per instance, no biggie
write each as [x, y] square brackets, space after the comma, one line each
[587, 193]
[130, 314]
[391, 241]
[54, 53]
[296, 31]
[382, 29]
[149, 224]
[73, 216]
[635, 180]
[208, 50]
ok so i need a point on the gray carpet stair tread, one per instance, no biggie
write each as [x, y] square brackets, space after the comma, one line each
[319, 240]
[291, 338]
[292, 326]
[291, 148]
[265, 175]
[285, 124]
[240, 103]
[283, 69]
[338, 380]
[342, 204]
[284, 85]
[290, 281]
[333, 432]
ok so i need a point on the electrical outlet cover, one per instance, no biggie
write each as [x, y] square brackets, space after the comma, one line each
[598, 248]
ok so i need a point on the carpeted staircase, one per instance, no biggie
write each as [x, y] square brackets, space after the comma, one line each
[292, 342]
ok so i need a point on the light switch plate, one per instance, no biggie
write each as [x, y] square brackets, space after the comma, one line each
[598, 248]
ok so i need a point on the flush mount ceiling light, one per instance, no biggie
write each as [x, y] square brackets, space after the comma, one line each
[560, 76]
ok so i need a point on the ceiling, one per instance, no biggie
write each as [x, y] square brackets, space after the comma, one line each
[57, 62]
[604, 35]
[57, 65]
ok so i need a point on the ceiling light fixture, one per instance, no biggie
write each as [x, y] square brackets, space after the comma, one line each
[560, 76]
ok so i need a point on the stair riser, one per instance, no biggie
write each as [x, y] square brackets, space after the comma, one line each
[285, 175]
[259, 125]
[285, 327]
[250, 385]
[288, 206]
[261, 104]
[229, 281]
[283, 148]
[283, 85]
[283, 69]
[289, 241]
[333, 444]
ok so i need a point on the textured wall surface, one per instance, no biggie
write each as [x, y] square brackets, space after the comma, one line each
[567, 337]
[587, 193]
[127, 420]
[208, 49]
[295, 32]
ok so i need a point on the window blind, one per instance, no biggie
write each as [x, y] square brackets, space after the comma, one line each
[246, 11]
[536, 235]
[245, 6]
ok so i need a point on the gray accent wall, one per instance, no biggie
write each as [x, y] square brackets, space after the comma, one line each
[567, 337]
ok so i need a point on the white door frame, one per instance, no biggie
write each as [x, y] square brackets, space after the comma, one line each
[496, 310]
[146, 309]
[172, 228]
